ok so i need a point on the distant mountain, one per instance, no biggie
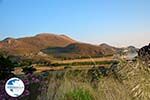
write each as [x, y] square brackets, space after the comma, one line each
[27, 45]
[79, 50]
[108, 49]
[128, 53]
[131, 52]
[132, 49]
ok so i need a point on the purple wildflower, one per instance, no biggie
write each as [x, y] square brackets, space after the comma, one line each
[26, 82]
[26, 93]
[36, 80]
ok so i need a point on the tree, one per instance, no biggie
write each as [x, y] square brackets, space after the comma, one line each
[6, 67]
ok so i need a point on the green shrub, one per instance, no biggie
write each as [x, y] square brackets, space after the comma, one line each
[78, 94]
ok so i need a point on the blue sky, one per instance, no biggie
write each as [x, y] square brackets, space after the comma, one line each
[116, 22]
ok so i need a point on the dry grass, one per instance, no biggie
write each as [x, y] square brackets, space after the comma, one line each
[130, 81]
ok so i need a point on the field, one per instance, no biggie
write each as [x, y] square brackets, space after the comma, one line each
[86, 60]
[75, 64]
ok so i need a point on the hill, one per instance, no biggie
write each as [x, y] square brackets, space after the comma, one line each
[51, 45]
[108, 49]
[29, 45]
[78, 50]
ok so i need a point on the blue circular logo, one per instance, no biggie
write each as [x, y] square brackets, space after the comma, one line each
[14, 87]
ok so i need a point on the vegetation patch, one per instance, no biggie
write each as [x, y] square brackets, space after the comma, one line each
[78, 94]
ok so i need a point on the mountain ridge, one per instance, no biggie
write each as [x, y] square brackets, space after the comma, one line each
[34, 43]
[57, 45]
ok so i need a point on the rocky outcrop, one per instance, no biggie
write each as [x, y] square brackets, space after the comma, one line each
[144, 53]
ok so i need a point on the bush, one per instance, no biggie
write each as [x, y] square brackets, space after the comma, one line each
[78, 94]
[28, 70]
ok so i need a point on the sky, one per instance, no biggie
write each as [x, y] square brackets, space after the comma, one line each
[116, 22]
